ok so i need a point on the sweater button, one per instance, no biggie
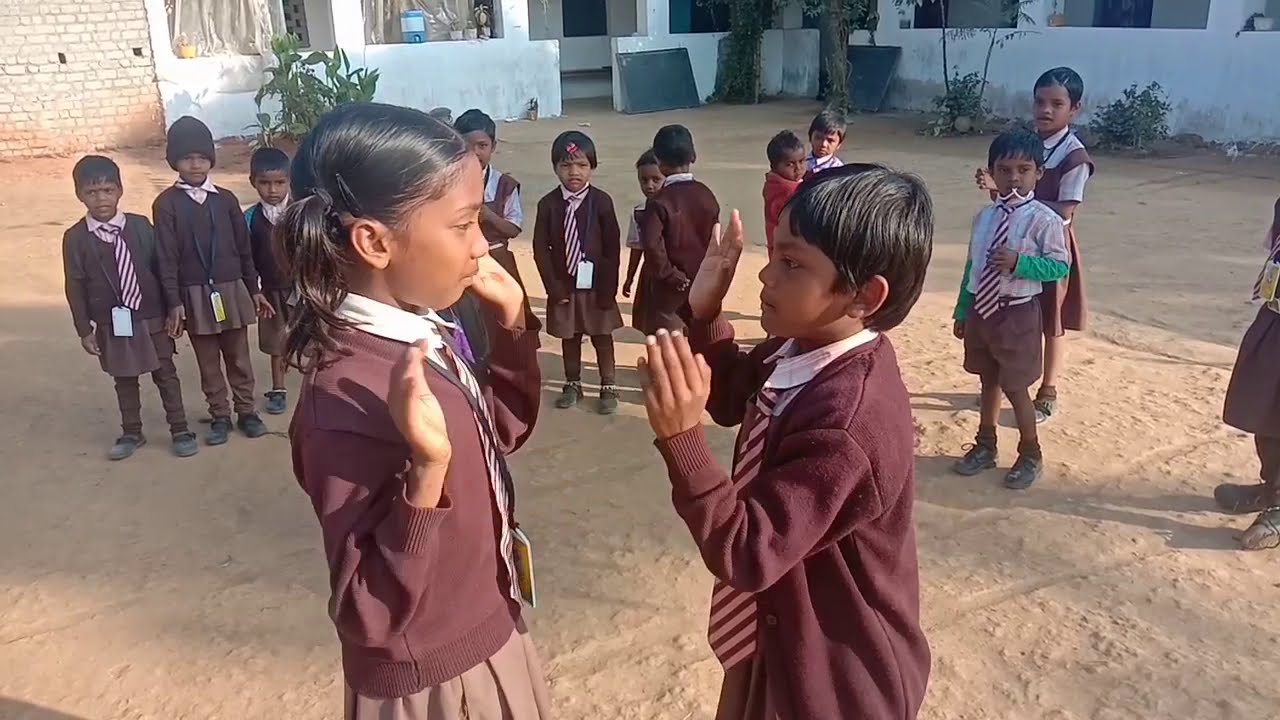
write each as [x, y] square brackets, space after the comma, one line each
[771, 620]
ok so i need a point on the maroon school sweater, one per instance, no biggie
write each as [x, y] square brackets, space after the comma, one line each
[418, 595]
[823, 535]
[186, 231]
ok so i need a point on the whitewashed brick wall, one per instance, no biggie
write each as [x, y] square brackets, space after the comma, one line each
[75, 76]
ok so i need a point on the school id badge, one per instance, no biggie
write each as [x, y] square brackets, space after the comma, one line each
[219, 310]
[121, 322]
[586, 274]
[1270, 281]
[524, 567]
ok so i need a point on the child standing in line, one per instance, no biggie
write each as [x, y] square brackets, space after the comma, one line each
[399, 448]
[1253, 405]
[113, 290]
[1067, 169]
[206, 271]
[675, 231]
[269, 175]
[576, 245]
[1018, 244]
[826, 136]
[787, 166]
[816, 606]
[501, 217]
[650, 178]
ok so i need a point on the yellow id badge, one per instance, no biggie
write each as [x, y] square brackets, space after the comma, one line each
[524, 567]
[1270, 280]
[219, 310]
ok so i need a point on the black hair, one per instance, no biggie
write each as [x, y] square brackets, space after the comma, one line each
[267, 159]
[673, 146]
[1017, 143]
[362, 160]
[474, 120]
[829, 121]
[95, 168]
[870, 220]
[1067, 78]
[570, 143]
[781, 144]
[647, 158]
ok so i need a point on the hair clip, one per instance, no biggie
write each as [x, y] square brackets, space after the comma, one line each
[571, 148]
[348, 197]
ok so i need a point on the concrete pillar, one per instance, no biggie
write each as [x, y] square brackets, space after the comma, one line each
[513, 19]
[348, 26]
[653, 17]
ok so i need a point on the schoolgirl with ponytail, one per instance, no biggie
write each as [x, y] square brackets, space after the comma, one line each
[400, 449]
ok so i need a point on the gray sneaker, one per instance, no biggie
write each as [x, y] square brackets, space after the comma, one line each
[977, 459]
[570, 396]
[126, 445]
[608, 400]
[184, 444]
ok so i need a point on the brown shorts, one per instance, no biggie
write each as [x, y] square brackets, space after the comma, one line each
[1007, 347]
[273, 331]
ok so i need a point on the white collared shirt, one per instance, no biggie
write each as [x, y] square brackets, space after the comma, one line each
[273, 213]
[199, 193]
[99, 229]
[817, 164]
[511, 210]
[393, 323]
[1071, 185]
[677, 178]
[1034, 229]
[794, 369]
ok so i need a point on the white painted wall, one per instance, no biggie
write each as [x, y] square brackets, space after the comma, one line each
[581, 53]
[220, 89]
[1211, 76]
[788, 60]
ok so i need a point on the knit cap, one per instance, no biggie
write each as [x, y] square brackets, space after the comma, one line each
[188, 136]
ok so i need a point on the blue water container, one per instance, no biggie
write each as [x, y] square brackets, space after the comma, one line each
[413, 26]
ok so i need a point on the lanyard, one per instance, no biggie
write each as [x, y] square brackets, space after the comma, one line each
[97, 253]
[207, 264]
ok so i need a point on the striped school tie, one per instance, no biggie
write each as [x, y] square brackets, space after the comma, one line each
[572, 246]
[732, 627]
[987, 300]
[493, 461]
[130, 290]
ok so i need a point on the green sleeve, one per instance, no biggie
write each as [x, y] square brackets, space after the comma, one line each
[965, 300]
[1044, 269]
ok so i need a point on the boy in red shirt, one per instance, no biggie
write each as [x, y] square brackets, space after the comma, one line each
[816, 606]
[786, 170]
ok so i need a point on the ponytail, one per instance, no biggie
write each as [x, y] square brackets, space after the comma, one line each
[313, 238]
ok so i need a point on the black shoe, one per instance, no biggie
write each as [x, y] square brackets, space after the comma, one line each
[570, 396]
[219, 431]
[608, 400]
[251, 425]
[125, 446]
[277, 402]
[1264, 533]
[1025, 471]
[1241, 499]
[184, 444]
[977, 459]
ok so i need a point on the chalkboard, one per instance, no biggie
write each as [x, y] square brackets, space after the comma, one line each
[871, 70]
[655, 80]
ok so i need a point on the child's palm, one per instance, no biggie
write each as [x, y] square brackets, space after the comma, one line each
[715, 274]
[416, 411]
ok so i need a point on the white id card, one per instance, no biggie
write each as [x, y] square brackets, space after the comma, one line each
[586, 274]
[524, 567]
[121, 321]
[1270, 281]
[219, 310]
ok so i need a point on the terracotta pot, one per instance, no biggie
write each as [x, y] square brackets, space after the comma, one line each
[1057, 20]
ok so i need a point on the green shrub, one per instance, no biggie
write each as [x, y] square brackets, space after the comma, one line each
[1135, 121]
[962, 100]
[307, 87]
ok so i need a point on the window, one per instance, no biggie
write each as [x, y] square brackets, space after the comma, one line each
[445, 19]
[221, 27]
[968, 13]
[584, 18]
[1166, 14]
[698, 16]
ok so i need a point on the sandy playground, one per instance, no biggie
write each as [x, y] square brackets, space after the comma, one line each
[166, 588]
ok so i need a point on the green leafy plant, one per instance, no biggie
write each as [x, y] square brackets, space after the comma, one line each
[307, 87]
[1135, 120]
[962, 99]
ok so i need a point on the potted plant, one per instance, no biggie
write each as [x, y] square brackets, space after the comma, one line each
[483, 20]
[471, 33]
[531, 110]
[1057, 18]
[1260, 22]
[456, 27]
[186, 48]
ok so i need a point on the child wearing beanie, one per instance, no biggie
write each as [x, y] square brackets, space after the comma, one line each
[208, 278]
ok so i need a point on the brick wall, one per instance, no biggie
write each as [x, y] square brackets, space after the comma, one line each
[75, 75]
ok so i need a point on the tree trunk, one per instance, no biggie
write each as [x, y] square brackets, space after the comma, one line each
[837, 60]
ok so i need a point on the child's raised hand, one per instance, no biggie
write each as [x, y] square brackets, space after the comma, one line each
[415, 410]
[984, 180]
[495, 286]
[715, 274]
[1004, 260]
[676, 383]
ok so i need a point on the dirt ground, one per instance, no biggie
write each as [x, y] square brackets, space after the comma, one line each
[166, 588]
